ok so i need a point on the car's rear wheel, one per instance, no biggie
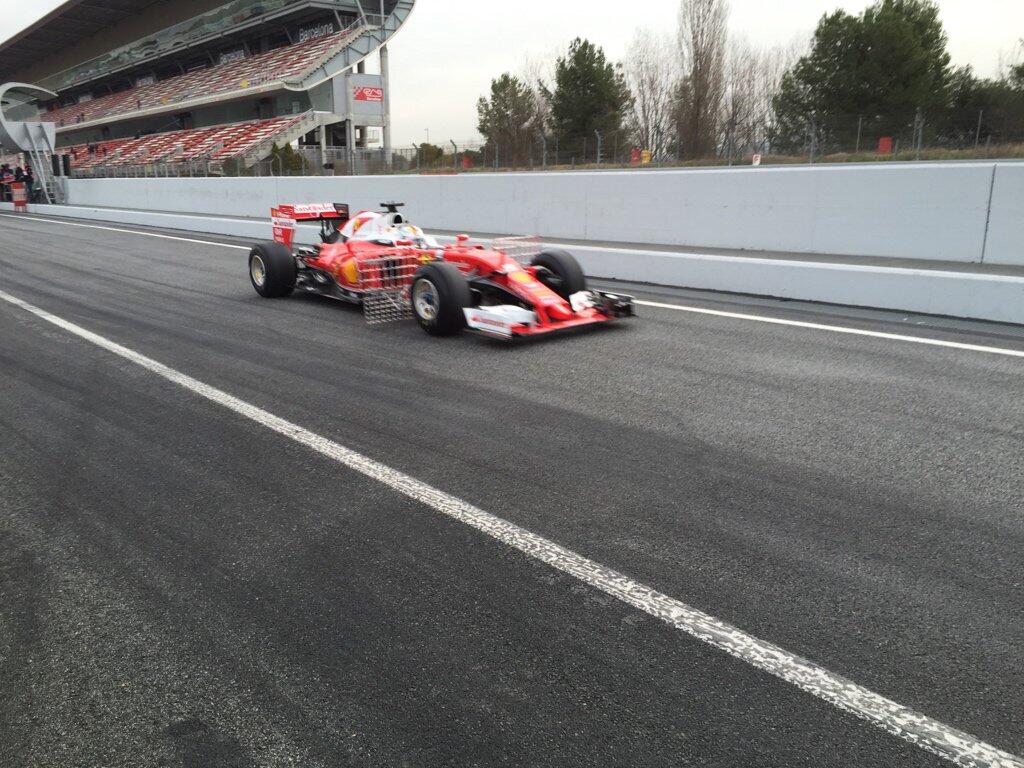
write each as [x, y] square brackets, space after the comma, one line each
[560, 272]
[439, 296]
[272, 270]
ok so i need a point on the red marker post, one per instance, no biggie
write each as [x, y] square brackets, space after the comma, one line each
[19, 194]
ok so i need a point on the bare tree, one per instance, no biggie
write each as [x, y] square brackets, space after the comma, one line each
[652, 72]
[703, 37]
[1011, 61]
[538, 71]
[753, 78]
[775, 63]
[741, 108]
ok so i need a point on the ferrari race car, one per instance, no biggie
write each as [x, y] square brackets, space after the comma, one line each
[512, 289]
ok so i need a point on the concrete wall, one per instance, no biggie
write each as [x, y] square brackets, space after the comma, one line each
[1005, 243]
[919, 211]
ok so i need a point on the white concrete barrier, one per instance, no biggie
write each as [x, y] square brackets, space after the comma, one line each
[1005, 241]
[928, 211]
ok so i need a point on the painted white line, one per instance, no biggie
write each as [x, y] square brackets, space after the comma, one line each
[837, 329]
[658, 305]
[63, 223]
[931, 735]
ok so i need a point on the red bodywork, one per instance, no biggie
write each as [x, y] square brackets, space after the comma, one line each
[362, 266]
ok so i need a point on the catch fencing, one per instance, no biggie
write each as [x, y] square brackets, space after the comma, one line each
[912, 135]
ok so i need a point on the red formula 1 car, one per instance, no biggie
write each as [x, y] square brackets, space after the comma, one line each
[513, 289]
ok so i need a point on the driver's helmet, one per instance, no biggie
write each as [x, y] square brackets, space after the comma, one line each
[416, 236]
[361, 226]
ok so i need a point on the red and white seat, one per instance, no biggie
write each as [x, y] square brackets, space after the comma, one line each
[217, 143]
[286, 64]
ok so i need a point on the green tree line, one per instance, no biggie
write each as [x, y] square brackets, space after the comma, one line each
[699, 93]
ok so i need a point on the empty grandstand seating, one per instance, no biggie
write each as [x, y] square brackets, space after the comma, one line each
[218, 144]
[287, 64]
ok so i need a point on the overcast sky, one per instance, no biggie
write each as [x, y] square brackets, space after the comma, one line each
[445, 57]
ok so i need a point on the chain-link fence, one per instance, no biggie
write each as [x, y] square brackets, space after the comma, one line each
[911, 136]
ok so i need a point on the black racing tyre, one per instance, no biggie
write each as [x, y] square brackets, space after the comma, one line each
[561, 273]
[272, 270]
[439, 296]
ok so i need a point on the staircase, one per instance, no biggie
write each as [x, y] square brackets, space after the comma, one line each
[307, 123]
[36, 139]
[369, 32]
[40, 151]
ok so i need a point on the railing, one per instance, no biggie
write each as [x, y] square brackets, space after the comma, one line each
[190, 168]
[966, 135]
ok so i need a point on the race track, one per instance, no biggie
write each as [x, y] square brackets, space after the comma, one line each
[216, 548]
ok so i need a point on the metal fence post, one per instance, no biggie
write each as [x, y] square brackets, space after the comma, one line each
[860, 125]
[918, 133]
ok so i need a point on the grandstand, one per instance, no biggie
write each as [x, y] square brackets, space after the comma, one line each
[133, 83]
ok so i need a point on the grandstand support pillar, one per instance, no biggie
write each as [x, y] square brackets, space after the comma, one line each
[386, 83]
[350, 146]
[322, 136]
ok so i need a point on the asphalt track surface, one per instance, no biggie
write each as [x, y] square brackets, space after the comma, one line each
[181, 586]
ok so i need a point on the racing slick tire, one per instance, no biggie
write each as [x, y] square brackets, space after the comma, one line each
[564, 275]
[439, 296]
[272, 270]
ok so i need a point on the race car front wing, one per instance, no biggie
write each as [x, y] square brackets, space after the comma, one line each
[512, 322]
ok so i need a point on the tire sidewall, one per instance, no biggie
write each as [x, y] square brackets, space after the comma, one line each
[564, 266]
[453, 298]
[280, 269]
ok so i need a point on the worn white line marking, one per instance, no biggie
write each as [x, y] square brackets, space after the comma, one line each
[62, 223]
[658, 305]
[931, 735]
[837, 329]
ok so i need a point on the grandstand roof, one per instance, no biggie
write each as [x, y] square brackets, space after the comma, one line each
[68, 24]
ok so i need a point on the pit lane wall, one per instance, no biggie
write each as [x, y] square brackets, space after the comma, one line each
[963, 213]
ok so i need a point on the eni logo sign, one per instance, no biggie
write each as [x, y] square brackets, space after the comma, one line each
[366, 93]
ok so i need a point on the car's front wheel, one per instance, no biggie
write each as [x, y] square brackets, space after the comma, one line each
[272, 270]
[440, 295]
[560, 272]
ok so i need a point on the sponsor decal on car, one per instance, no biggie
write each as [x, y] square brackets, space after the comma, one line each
[499, 321]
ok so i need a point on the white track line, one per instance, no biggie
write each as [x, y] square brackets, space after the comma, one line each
[931, 735]
[63, 223]
[658, 305]
[838, 329]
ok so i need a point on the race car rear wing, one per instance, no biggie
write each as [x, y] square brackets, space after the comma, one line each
[332, 217]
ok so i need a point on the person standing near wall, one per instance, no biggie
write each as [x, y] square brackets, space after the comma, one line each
[30, 181]
[6, 178]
